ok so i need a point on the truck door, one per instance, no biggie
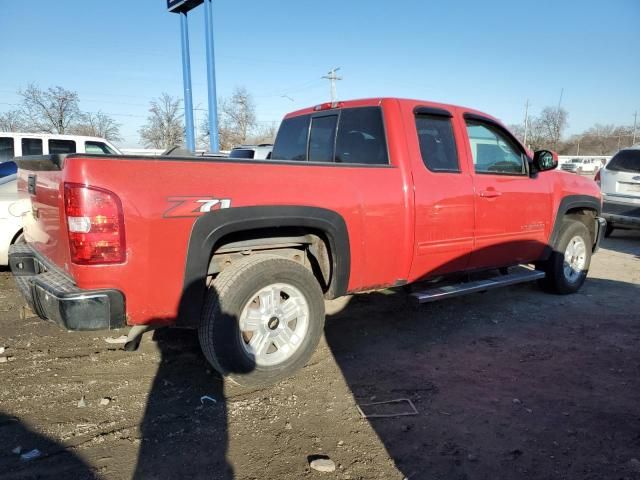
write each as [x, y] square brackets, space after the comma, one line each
[512, 208]
[443, 193]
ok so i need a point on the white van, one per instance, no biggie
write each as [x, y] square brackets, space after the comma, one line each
[16, 144]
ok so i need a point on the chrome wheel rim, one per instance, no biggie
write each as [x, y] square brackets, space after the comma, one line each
[575, 258]
[274, 323]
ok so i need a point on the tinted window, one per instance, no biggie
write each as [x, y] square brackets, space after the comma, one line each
[31, 146]
[241, 153]
[625, 161]
[322, 138]
[99, 148]
[493, 151]
[6, 149]
[61, 146]
[361, 137]
[291, 142]
[437, 145]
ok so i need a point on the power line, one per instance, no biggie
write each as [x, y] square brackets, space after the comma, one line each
[332, 77]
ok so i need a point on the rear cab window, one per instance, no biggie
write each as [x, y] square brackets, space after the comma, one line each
[31, 146]
[349, 135]
[625, 161]
[57, 146]
[7, 151]
[246, 153]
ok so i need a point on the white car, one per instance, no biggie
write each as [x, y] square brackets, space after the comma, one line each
[11, 211]
[582, 165]
[620, 185]
[256, 152]
[17, 144]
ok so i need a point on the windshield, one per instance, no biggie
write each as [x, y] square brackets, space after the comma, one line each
[576, 160]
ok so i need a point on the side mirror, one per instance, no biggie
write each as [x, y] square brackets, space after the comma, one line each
[544, 160]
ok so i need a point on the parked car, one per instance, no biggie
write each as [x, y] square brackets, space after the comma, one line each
[15, 144]
[358, 195]
[11, 211]
[257, 152]
[582, 165]
[620, 185]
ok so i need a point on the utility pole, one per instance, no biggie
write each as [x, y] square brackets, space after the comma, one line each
[331, 75]
[526, 122]
[635, 123]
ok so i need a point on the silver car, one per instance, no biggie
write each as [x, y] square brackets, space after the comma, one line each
[620, 185]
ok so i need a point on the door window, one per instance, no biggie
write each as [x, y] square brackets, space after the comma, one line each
[437, 145]
[98, 148]
[31, 146]
[6, 149]
[494, 152]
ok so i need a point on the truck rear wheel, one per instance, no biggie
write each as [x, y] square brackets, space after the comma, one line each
[567, 267]
[262, 321]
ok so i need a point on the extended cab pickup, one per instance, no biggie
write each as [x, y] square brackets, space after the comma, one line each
[359, 195]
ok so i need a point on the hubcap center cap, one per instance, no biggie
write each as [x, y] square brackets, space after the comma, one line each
[273, 323]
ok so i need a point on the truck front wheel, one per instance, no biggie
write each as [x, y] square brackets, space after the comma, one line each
[262, 321]
[567, 268]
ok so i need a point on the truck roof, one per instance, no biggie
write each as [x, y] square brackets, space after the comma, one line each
[376, 101]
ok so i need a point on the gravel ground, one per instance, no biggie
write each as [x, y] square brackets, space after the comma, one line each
[509, 384]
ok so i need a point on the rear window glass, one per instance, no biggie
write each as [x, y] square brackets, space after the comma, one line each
[242, 153]
[437, 145]
[291, 142]
[31, 146]
[322, 138]
[61, 146]
[99, 148]
[625, 161]
[6, 149]
[361, 137]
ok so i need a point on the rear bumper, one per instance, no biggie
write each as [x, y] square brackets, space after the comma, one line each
[621, 213]
[52, 295]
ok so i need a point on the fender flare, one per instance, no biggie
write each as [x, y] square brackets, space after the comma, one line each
[571, 202]
[211, 227]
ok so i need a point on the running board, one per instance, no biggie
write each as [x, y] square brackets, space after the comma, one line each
[517, 275]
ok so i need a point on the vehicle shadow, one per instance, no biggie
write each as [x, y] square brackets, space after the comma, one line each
[495, 398]
[53, 460]
[623, 241]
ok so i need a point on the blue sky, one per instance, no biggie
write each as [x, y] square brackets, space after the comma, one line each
[492, 55]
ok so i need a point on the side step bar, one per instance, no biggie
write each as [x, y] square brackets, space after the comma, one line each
[517, 275]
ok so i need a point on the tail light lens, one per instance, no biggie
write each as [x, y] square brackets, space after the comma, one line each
[95, 224]
[597, 177]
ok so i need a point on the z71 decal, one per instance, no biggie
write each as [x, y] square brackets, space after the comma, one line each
[194, 206]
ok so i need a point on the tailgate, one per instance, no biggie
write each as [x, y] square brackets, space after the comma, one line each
[40, 178]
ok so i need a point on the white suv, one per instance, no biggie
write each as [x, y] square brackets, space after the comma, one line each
[620, 185]
[582, 165]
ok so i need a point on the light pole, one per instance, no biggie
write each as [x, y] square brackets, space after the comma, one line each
[186, 80]
[214, 141]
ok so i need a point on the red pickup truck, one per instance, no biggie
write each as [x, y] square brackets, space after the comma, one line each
[358, 195]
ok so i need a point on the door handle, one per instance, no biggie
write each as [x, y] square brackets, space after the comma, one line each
[490, 193]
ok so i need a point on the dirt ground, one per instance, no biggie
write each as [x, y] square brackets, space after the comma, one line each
[511, 384]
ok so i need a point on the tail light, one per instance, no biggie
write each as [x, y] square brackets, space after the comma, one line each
[95, 224]
[597, 177]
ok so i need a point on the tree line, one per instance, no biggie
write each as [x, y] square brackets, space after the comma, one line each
[56, 110]
[547, 131]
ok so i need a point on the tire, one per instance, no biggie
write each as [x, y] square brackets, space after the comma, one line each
[609, 230]
[276, 347]
[573, 241]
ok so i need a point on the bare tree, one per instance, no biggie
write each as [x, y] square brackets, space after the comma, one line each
[164, 127]
[51, 111]
[551, 123]
[264, 134]
[98, 125]
[12, 121]
[237, 121]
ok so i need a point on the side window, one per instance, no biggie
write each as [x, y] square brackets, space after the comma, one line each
[6, 149]
[493, 151]
[322, 138]
[361, 137]
[31, 146]
[61, 146]
[98, 148]
[291, 142]
[437, 144]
